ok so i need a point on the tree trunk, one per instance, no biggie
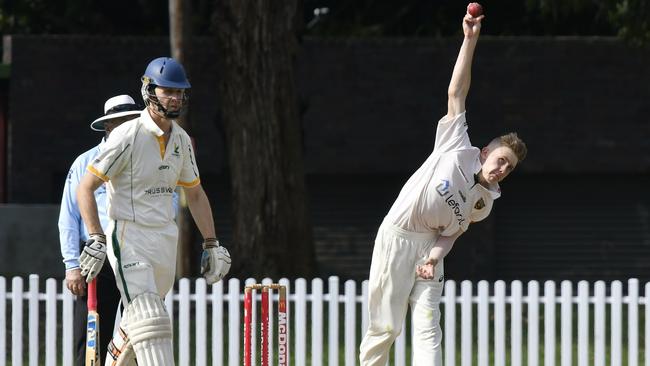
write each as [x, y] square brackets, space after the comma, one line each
[180, 13]
[259, 105]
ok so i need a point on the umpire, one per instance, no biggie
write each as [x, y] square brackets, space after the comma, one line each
[73, 233]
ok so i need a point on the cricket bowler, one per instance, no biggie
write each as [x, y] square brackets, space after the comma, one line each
[455, 186]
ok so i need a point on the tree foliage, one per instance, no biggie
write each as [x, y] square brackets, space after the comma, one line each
[347, 18]
[632, 20]
[143, 17]
[378, 18]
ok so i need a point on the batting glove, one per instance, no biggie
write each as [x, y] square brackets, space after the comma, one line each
[92, 258]
[215, 261]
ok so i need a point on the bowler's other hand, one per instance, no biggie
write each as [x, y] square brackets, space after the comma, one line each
[215, 261]
[75, 282]
[428, 269]
[93, 256]
[472, 26]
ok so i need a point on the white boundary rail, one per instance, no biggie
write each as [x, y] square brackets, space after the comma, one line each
[483, 325]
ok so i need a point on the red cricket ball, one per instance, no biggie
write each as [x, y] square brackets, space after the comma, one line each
[474, 9]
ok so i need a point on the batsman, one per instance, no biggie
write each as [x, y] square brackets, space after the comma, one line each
[455, 186]
[142, 162]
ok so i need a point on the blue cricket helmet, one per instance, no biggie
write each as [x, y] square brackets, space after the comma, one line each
[164, 72]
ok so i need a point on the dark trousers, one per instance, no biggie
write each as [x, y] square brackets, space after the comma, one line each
[108, 296]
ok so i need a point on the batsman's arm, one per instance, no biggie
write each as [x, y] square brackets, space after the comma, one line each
[462, 74]
[87, 204]
[200, 209]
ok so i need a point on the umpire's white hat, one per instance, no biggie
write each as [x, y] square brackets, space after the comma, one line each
[116, 107]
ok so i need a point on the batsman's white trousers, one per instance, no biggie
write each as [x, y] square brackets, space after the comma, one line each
[393, 285]
[143, 258]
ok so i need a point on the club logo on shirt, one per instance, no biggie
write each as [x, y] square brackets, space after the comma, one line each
[479, 204]
[176, 153]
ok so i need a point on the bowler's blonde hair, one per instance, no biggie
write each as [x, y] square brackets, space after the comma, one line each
[512, 141]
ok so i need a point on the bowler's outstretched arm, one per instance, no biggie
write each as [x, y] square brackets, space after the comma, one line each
[462, 75]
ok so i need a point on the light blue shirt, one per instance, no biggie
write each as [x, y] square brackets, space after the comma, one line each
[72, 230]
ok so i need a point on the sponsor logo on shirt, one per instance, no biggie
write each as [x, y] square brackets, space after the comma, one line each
[443, 188]
[159, 190]
[163, 167]
[129, 265]
[443, 191]
[455, 208]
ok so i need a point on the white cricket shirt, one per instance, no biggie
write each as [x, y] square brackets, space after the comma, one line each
[142, 173]
[443, 195]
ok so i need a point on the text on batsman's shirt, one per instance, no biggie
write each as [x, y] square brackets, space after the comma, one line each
[442, 195]
[142, 172]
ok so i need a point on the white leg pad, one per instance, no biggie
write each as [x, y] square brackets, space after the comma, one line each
[150, 330]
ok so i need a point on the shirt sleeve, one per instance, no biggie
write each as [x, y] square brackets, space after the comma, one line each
[190, 172]
[451, 134]
[70, 218]
[113, 156]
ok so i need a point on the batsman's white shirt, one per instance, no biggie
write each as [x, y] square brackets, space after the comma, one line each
[142, 173]
[442, 195]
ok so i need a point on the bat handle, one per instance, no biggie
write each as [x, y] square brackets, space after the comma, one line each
[92, 295]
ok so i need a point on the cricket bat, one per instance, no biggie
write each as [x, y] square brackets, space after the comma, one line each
[93, 358]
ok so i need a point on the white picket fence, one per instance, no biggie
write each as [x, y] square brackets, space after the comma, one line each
[483, 315]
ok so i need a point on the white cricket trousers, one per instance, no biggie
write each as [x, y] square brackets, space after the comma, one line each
[144, 262]
[143, 258]
[393, 285]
